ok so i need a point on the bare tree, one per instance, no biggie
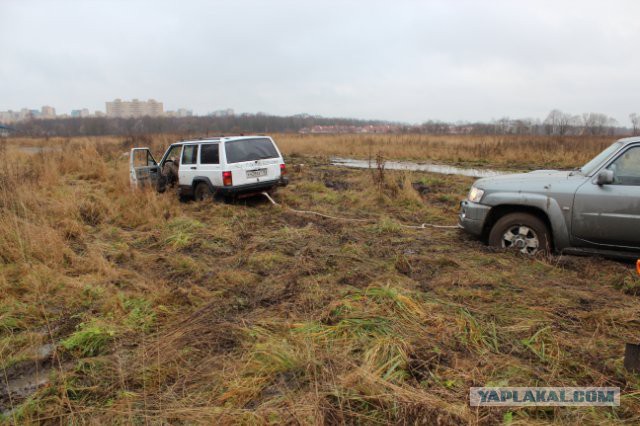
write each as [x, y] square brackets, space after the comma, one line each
[524, 126]
[503, 126]
[635, 122]
[550, 122]
[558, 123]
[595, 123]
[611, 126]
[565, 123]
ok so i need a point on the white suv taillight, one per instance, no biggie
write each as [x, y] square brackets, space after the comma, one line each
[227, 179]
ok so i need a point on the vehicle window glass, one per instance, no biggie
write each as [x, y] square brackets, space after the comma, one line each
[174, 154]
[590, 167]
[626, 168]
[189, 154]
[250, 150]
[143, 158]
[209, 154]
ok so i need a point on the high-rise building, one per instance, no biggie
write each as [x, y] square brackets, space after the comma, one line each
[134, 108]
[7, 116]
[26, 113]
[80, 113]
[48, 112]
[183, 112]
[229, 112]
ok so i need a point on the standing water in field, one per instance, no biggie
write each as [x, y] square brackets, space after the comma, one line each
[407, 165]
[37, 149]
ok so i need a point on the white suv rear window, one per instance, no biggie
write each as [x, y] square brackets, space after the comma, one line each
[250, 150]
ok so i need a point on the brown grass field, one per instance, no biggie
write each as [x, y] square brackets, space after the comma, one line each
[504, 152]
[131, 307]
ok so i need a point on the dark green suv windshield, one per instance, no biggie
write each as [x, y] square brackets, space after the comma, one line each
[591, 166]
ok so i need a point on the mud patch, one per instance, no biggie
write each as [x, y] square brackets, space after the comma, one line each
[424, 360]
[295, 220]
[338, 185]
[301, 220]
[24, 378]
[355, 279]
[421, 188]
[421, 268]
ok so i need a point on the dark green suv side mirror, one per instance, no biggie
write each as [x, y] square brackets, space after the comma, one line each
[605, 177]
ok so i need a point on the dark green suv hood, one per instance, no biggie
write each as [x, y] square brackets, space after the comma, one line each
[536, 177]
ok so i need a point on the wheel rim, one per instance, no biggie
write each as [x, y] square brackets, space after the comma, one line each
[521, 238]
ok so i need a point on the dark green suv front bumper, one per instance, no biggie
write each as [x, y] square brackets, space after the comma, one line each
[473, 216]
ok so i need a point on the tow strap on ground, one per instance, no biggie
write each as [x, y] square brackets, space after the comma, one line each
[348, 219]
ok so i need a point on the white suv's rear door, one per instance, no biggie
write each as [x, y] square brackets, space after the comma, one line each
[252, 160]
[188, 164]
[209, 164]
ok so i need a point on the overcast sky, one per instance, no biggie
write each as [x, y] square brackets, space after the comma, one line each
[396, 60]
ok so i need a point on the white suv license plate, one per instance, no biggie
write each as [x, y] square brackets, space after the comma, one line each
[256, 173]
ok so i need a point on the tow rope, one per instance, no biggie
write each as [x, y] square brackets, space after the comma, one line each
[348, 219]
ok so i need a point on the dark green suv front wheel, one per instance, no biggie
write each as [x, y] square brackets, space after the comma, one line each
[523, 232]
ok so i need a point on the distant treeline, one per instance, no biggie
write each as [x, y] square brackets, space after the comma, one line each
[203, 125]
[556, 123]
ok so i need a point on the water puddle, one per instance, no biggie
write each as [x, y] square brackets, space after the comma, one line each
[419, 167]
[36, 149]
[24, 379]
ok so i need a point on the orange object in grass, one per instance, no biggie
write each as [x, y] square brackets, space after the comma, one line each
[638, 266]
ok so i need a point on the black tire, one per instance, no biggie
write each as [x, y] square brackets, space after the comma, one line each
[202, 192]
[170, 173]
[523, 232]
[161, 185]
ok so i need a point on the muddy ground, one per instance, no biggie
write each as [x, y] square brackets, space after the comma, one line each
[164, 311]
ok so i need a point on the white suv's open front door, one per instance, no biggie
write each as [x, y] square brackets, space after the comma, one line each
[143, 168]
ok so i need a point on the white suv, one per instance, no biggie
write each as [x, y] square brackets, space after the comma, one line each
[227, 166]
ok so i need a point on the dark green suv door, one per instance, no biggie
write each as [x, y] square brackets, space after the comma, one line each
[609, 215]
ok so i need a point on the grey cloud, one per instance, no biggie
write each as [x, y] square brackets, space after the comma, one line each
[400, 60]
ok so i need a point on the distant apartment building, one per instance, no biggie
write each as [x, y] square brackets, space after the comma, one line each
[181, 112]
[44, 113]
[229, 112]
[26, 114]
[80, 113]
[7, 116]
[134, 108]
[47, 112]
[13, 116]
